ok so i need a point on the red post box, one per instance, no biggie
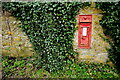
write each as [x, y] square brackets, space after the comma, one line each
[84, 31]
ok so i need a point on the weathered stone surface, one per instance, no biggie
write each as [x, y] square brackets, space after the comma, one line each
[14, 41]
[97, 52]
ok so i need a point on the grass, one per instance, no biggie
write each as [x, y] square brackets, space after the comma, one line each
[19, 68]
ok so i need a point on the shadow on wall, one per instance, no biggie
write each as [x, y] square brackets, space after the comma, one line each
[114, 56]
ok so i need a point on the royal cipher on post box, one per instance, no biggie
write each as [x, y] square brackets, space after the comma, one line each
[84, 31]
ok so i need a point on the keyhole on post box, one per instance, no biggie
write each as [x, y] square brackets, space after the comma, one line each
[84, 32]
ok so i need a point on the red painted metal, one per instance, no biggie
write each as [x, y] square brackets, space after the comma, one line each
[84, 31]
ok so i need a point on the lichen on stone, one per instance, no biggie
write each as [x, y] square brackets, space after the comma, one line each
[15, 43]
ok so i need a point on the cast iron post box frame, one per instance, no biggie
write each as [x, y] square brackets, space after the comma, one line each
[84, 31]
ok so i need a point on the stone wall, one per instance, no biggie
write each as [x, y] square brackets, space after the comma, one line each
[14, 41]
[97, 53]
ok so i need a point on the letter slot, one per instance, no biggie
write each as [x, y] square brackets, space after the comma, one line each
[84, 31]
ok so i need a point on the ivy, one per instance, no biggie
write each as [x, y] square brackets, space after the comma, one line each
[110, 23]
[50, 28]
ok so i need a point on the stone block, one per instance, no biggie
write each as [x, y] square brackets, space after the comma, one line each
[101, 57]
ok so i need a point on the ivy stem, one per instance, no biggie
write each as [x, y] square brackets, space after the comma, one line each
[8, 24]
